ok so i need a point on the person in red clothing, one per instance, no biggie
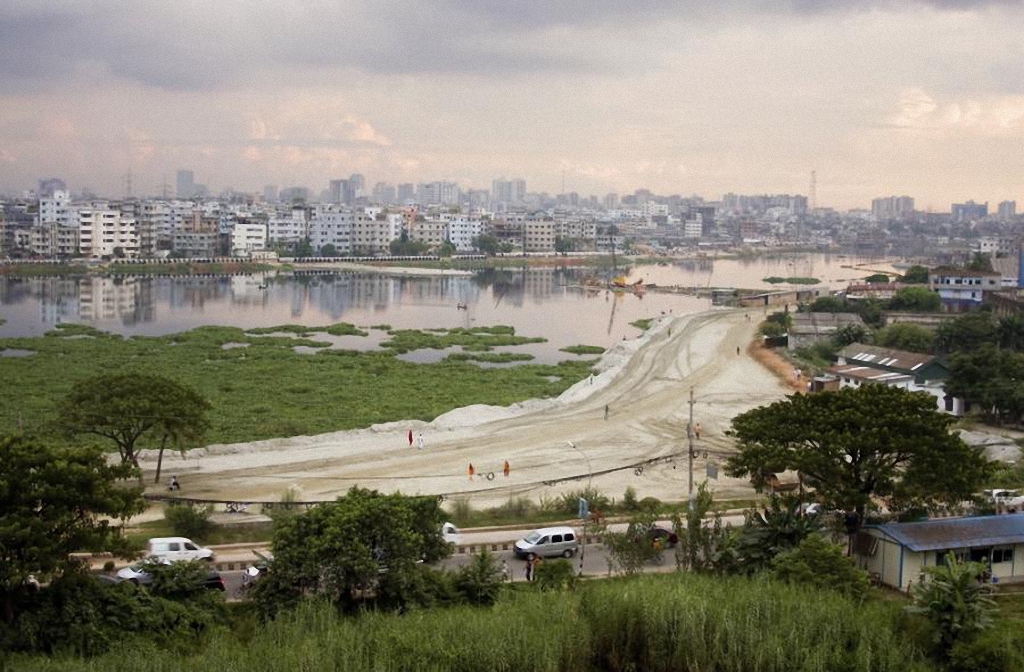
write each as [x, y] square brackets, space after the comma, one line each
[471, 471]
[508, 469]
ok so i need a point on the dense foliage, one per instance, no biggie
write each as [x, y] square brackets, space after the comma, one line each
[53, 502]
[857, 444]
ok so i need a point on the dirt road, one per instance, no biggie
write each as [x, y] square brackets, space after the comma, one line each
[647, 406]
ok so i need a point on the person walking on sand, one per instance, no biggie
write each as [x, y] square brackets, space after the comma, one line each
[507, 469]
[737, 350]
[697, 430]
[419, 441]
[529, 569]
[410, 438]
[606, 411]
[471, 471]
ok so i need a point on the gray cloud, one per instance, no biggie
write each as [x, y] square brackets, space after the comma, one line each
[195, 45]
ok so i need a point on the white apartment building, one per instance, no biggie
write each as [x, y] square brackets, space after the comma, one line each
[581, 229]
[462, 230]
[288, 230]
[693, 227]
[56, 208]
[371, 235]
[331, 228]
[107, 233]
[248, 236]
[53, 239]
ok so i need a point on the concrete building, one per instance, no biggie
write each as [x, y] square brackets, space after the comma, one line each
[539, 236]
[406, 193]
[896, 554]
[331, 228]
[56, 208]
[1007, 210]
[196, 244]
[106, 233]
[961, 289]
[54, 239]
[185, 184]
[248, 236]
[892, 207]
[372, 235]
[966, 212]
[508, 191]
[431, 232]
[858, 364]
[288, 229]
[809, 328]
[462, 231]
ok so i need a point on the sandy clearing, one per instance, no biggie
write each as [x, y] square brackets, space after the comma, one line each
[645, 384]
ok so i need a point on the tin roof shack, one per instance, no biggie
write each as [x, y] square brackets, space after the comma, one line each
[896, 553]
[809, 328]
[858, 364]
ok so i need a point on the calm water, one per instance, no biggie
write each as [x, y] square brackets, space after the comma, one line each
[537, 302]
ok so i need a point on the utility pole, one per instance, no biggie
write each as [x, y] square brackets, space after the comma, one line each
[689, 440]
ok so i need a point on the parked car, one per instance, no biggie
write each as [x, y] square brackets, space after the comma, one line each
[138, 575]
[548, 542]
[451, 534]
[177, 548]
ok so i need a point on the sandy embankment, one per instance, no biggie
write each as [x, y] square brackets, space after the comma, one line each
[644, 384]
[383, 270]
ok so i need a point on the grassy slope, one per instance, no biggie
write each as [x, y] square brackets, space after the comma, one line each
[267, 390]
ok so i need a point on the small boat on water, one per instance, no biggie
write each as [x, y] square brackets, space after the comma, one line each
[461, 306]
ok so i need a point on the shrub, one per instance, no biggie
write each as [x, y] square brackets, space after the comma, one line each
[955, 600]
[629, 500]
[189, 521]
[480, 581]
[569, 502]
[650, 504]
[816, 562]
[555, 575]
[997, 650]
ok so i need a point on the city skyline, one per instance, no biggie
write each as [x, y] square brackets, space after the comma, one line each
[878, 96]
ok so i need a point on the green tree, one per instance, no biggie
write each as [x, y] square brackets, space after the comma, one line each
[766, 533]
[1011, 332]
[916, 299]
[487, 244]
[771, 329]
[903, 336]
[56, 501]
[916, 275]
[555, 575]
[980, 262]
[480, 581]
[563, 244]
[828, 304]
[850, 333]
[877, 278]
[954, 598]
[446, 249]
[967, 332]
[189, 521]
[329, 250]
[817, 562]
[363, 547]
[634, 548]
[304, 248]
[701, 539]
[856, 444]
[125, 407]
[992, 378]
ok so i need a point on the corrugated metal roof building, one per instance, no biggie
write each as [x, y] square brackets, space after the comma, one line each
[897, 553]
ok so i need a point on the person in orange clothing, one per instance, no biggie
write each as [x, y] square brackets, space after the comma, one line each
[471, 471]
[508, 469]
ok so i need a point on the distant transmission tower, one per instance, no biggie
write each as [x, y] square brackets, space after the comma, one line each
[165, 189]
[814, 190]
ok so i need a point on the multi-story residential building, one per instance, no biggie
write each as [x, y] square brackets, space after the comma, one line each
[439, 193]
[965, 212]
[331, 228]
[892, 207]
[432, 232]
[248, 236]
[186, 184]
[1007, 210]
[406, 193]
[961, 289]
[462, 231]
[539, 235]
[56, 208]
[693, 227]
[372, 235]
[996, 245]
[290, 229]
[107, 233]
[195, 244]
[383, 193]
[54, 239]
[508, 191]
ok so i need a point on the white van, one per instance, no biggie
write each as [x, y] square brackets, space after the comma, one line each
[177, 548]
[548, 542]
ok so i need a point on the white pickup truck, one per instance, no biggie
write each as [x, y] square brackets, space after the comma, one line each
[1010, 501]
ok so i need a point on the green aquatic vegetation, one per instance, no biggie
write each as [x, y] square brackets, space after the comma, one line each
[475, 339]
[775, 280]
[583, 350]
[339, 329]
[344, 329]
[642, 325]
[490, 357]
[267, 390]
[381, 327]
[71, 329]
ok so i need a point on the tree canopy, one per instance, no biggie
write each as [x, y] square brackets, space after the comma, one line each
[918, 299]
[858, 443]
[916, 275]
[56, 501]
[991, 377]
[127, 407]
[364, 545]
[903, 336]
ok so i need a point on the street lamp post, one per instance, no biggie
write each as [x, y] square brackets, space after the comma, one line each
[590, 479]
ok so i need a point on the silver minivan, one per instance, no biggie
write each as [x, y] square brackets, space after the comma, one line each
[548, 542]
[178, 548]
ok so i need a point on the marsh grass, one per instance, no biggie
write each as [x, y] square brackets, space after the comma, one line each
[677, 623]
[267, 390]
[642, 325]
[475, 339]
[584, 350]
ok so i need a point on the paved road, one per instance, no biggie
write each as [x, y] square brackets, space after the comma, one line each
[595, 563]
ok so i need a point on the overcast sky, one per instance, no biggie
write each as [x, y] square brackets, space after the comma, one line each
[917, 97]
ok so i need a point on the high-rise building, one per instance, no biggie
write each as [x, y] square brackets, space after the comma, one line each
[892, 207]
[406, 193]
[508, 191]
[964, 212]
[339, 190]
[270, 193]
[611, 201]
[1007, 210]
[356, 187]
[186, 184]
[383, 193]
